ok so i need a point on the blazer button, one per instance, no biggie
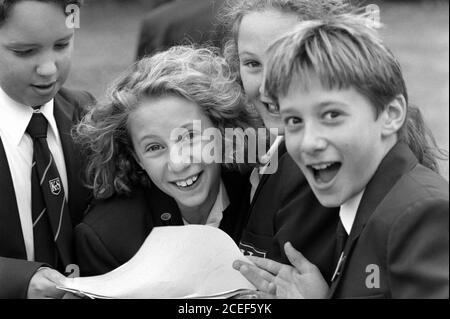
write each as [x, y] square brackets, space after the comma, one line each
[166, 217]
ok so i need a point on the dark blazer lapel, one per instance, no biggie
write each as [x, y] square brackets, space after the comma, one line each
[164, 210]
[11, 237]
[265, 177]
[235, 216]
[64, 113]
[396, 163]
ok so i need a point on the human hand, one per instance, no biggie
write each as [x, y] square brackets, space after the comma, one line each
[43, 284]
[303, 280]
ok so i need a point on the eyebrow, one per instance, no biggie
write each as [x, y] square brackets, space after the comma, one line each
[247, 53]
[319, 105]
[66, 38]
[328, 103]
[185, 126]
[30, 44]
[148, 136]
[188, 125]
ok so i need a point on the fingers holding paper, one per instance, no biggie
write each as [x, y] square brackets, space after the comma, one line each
[43, 284]
[301, 280]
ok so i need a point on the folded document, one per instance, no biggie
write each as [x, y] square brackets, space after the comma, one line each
[193, 261]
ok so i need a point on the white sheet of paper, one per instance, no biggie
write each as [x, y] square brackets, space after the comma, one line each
[193, 261]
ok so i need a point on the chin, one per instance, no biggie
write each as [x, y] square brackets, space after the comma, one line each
[192, 201]
[328, 200]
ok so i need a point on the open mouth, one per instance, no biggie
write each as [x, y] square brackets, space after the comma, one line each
[188, 182]
[325, 172]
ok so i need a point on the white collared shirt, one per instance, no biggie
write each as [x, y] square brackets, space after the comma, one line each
[348, 210]
[255, 176]
[14, 119]
[216, 214]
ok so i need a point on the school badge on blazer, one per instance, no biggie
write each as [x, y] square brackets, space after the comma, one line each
[250, 250]
[55, 186]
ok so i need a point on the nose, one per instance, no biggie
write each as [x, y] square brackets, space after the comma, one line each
[47, 68]
[312, 140]
[262, 88]
[179, 158]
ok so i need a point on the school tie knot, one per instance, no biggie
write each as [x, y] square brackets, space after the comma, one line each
[37, 128]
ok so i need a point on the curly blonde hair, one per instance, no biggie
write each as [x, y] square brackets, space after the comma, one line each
[198, 75]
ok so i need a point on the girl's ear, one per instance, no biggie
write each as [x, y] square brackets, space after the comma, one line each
[394, 116]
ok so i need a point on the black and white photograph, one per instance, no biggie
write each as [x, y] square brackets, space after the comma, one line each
[224, 154]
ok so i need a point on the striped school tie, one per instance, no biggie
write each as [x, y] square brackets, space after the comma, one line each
[52, 227]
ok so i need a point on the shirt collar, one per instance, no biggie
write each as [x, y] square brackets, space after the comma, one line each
[348, 211]
[270, 154]
[254, 177]
[216, 214]
[222, 202]
[15, 117]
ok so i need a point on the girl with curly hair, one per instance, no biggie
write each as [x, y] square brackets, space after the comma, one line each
[138, 168]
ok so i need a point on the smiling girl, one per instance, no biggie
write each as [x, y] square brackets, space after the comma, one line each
[138, 167]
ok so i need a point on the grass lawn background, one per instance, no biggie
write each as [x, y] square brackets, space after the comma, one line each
[418, 34]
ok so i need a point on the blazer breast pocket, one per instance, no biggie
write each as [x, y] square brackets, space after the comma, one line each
[256, 245]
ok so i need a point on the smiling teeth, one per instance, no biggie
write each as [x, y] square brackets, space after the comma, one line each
[321, 166]
[188, 182]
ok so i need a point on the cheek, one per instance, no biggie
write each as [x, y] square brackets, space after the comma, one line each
[293, 146]
[155, 169]
[16, 72]
[64, 65]
[213, 172]
[275, 122]
[357, 151]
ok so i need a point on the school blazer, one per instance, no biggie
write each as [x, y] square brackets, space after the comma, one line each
[284, 208]
[15, 270]
[180, 22]
[114, 229]
[399, 243]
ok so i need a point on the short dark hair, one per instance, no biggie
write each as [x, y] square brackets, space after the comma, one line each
[7, 5]
[345, 51]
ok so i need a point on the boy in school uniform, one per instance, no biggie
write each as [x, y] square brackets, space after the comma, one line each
[41, 193]
[351, 131]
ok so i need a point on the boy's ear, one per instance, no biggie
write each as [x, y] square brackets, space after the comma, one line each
[394, 115]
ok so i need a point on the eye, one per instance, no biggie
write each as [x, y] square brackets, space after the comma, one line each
[331, 115]
[153, 148]
[190, 136]
[62, 46]
[23, 53]
[293, 121]
[272, 108]
[251, 64]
